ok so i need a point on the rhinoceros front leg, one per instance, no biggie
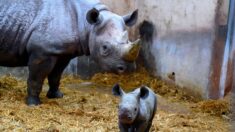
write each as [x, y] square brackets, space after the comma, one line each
[54, 79]
[142, 127]
[39, 67]
[124, 127]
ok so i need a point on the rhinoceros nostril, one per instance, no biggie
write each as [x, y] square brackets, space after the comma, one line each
[120, 69]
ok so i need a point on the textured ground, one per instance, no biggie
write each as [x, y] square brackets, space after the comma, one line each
[89, 106]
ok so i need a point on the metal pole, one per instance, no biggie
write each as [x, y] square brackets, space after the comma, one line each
[228, 47]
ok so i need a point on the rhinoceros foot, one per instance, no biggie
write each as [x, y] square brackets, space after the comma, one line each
[56, 94]
[32, 101]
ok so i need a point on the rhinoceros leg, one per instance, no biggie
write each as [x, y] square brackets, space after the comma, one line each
[142, 127]
[39, 68]
[123, 127]
[54, 79]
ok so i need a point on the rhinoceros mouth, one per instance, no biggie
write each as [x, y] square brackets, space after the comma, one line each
[125, 119]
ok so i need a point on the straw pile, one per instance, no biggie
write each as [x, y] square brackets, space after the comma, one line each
[87, 108]
[141, 77]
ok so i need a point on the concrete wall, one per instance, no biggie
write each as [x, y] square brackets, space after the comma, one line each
[21, 72]
[121, 7]
[184, 42]
[188, 42]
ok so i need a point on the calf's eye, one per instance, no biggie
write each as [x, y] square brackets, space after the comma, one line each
[135, 109]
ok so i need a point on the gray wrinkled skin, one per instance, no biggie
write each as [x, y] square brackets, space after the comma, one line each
[46, 34]
[136, 109]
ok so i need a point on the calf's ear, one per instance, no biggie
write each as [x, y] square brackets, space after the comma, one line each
[117, 90]
[131, 18]
[144, 92]
[93, 16]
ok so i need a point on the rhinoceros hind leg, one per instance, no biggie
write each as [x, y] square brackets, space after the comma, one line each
[56, 94]
[54, 78]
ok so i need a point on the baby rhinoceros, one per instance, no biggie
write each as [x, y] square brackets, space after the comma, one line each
[136, 109]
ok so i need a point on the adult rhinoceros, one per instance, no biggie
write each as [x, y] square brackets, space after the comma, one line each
[46, 34]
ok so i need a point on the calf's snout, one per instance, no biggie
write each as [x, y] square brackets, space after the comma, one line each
[125, 116]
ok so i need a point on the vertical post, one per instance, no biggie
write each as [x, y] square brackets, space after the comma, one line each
[233, 49]
[233, 78]
[231, 64]
[218, 49]
[227, 65]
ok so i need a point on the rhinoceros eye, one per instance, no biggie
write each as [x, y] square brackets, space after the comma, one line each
[105, 50]
[135, 109]
[104, 47]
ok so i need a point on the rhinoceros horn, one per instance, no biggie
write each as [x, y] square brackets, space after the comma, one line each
[132, 52]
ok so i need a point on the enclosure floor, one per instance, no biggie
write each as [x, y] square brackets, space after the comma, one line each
[88, 105]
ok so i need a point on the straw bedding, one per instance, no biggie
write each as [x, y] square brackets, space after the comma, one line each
[88, 106]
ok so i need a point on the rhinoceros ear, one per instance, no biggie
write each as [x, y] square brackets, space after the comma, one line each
[144, 92]
[117, 90]
[131, 18]
[93, 16]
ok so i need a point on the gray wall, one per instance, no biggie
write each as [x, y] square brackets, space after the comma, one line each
[184, 42]
[189, 41]
[20, 72]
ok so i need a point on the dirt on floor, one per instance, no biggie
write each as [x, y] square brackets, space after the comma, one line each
[88, 106]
